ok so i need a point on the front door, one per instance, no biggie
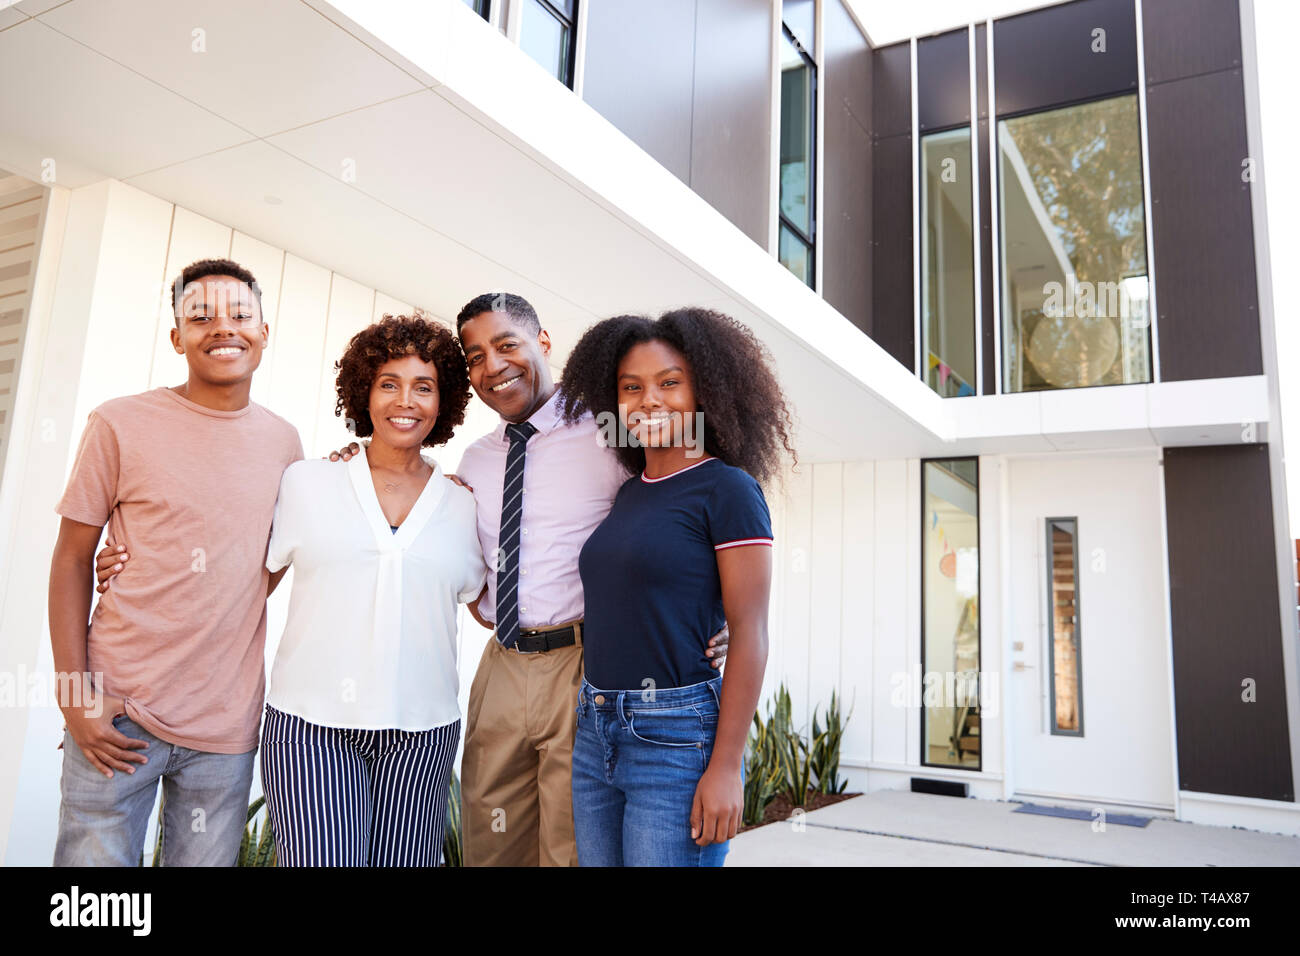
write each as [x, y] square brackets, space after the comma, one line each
[1089, 681]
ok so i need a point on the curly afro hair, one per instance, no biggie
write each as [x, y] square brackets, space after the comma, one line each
[747, 421]
[393, 337]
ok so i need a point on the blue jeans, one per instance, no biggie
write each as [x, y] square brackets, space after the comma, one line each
[636, 763]
[102, 820]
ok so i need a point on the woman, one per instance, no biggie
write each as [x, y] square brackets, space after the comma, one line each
[362, 721]
[700, 419]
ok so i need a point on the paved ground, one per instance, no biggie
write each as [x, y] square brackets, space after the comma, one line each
[899, 828]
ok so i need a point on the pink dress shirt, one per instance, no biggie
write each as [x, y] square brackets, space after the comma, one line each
[570, 480]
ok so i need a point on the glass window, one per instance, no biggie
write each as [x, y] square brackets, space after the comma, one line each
[950, 619]
[948, 263]
[546, 34]
[1074, 260]
[1063, 599]
[798, 173]
[480, 7]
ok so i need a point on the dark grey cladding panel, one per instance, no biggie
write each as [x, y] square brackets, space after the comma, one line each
[943, 81]
[891, 319]
[891, 96]
[639, 74]
[987, 278]
[1046, 58]
[732, 123]
[847, 60]
[1226, 625]
[846, 224]
[1186, 37]
[1202, 229]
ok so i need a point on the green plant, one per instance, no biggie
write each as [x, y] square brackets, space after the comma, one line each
[451, 845]
[825, 751]
[765, 773]
[800, 776]
[255, 850]
[779, 759]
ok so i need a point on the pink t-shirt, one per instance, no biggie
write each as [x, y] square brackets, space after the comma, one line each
[191, 492]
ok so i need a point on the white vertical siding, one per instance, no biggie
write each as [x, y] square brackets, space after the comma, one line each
[826, 586]
[795, 623]
[351, 306]
[300, 346]
[267, 265]
[857, 602]
[890, 641]
[847, 592]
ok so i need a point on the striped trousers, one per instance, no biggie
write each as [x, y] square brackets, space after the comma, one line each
[340, 797]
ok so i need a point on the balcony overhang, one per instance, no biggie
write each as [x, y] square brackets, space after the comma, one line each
[409, 146]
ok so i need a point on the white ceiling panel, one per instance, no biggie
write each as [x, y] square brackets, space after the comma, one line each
[323, 220]
[267, 65]
[92, 112]
[458, 177]
[35, 8]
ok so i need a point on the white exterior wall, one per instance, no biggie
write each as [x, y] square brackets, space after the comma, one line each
[98, 328]
[847, 614]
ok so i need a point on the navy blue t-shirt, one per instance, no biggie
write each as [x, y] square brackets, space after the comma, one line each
[650, 574]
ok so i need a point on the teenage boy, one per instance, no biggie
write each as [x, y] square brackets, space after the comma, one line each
[186, 480]
[541, 487]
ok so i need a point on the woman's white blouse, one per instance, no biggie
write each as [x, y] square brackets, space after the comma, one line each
[370, 641]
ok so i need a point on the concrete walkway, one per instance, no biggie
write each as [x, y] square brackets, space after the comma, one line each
[900, 828]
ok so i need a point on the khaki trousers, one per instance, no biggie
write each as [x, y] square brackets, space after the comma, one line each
[516, 799]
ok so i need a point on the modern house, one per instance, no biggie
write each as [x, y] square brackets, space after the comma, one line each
[1014, 276]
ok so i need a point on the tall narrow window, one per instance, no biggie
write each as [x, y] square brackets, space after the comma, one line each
[797, 228]
[950, 616]
[1074, 256]
[480, 7]
[948, 263]
[547, 33]
[1063, 604]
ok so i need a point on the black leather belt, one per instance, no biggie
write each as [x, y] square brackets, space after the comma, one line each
[533, 640]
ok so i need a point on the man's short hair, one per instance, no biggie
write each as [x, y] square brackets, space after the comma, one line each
[515, 306]
[211, 267]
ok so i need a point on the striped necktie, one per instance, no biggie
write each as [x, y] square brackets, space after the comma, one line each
[512, 512]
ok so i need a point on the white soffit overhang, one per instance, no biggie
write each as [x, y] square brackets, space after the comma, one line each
[409, 146]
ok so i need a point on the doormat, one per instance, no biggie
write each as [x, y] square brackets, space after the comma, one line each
[1071, 813]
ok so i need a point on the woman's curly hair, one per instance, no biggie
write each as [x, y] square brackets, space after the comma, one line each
[393, 337]
[746, 420]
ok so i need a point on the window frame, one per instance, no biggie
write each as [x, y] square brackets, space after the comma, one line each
[1051, 635]
[808, 240]
[570, 24]
[979, 599]
[996, 188]
[922, 252]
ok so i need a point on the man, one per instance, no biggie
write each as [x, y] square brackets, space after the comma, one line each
[541, 487]
[186, 479]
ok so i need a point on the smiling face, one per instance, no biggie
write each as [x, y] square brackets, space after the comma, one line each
[507, 364]
[220, 330]
[656, 395]
[404, 401]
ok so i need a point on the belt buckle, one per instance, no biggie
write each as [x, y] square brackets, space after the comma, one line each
[530, 633]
